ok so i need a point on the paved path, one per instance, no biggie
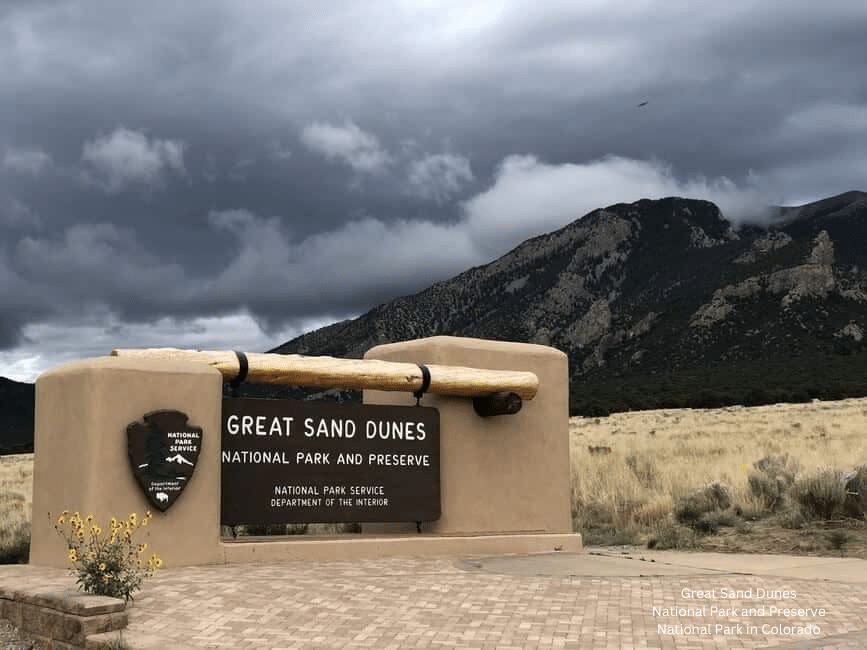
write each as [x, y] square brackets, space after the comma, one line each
[588, 600]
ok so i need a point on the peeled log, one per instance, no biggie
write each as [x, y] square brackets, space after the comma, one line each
[352, 374]
[502, 403]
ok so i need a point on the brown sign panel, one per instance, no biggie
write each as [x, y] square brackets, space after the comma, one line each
[286, 461]
[163, 451]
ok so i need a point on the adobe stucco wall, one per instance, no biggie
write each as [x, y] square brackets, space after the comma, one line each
[81, 460]
[505, 480]
[500, 474]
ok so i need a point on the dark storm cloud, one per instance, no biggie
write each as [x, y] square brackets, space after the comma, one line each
[223, 171]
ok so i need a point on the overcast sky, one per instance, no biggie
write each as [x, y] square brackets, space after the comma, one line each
[228, 175]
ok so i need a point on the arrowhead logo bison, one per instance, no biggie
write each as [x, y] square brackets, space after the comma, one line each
[163, 451]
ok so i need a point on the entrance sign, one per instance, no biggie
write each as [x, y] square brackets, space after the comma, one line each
[287, 461]
[163, 451]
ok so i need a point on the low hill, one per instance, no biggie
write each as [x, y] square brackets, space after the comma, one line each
[16, 417]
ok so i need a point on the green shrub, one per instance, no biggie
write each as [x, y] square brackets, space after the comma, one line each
[772, 478]
[692, 509]
[791, 518]
[15, 543]
[837, 539]
[110, 565]
[821, 495]
[673, 537]
[711, 522]
[856, 493]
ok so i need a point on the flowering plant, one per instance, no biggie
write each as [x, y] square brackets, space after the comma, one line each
[111, 564]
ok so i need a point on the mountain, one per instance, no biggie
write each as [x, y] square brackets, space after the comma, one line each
[177, 458]
[16, 417]
[662, 303]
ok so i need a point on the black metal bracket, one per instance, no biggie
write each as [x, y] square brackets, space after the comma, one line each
[425, 384]
[243, 369]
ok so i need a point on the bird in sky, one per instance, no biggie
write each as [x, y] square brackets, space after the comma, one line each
[641, 104]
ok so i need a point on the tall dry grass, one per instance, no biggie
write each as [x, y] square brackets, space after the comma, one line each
[630, 469]
[16, 506]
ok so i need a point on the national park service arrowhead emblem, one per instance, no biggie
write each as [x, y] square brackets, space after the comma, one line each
[163, 451]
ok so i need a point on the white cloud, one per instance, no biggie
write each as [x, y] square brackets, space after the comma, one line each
[530, 197]
[439, 176]
[241, 169]
[806, 179]
[824, 119]
[21, 364]
[363, 257]
[49, 344]
[29, 161]
[279, 152]
[97, 263]
[17, 214]
[349, 144]
[210, 171]
[127, 157]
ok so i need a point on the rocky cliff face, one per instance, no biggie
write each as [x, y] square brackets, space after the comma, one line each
[653, 293]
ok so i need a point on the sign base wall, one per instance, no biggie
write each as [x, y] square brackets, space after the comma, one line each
[505, 480]
[504, 474]
[81, 458]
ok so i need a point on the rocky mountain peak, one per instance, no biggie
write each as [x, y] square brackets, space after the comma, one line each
[652, 293]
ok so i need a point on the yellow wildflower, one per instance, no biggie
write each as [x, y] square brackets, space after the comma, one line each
[142, 547]
[102, 566]
[73, 555]
[88, 519]
[61, 520]
[95, 530]
[132, 518]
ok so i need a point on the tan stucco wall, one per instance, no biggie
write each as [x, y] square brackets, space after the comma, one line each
[81, 460]
[505, 476]
[501, 474]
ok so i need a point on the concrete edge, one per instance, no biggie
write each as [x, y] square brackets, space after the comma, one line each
[373, 547]
[62, 619]
[70, 602]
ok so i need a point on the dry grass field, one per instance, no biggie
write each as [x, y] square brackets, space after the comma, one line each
[642, 478]
[632, 470]
[16, 502]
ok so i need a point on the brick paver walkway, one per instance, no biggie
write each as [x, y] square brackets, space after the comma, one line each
[467, 603]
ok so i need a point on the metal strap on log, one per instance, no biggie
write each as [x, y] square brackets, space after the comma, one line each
[357, 374]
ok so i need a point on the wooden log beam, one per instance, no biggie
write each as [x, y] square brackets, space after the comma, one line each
[503, 403]
[353, 374]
